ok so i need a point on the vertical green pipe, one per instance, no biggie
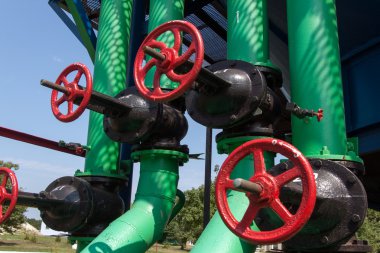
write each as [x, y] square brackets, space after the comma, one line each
[247, 38]
[217, 237]
[315, 75]
[139, 228]
[247, 33]
[162, 11]
[109, 78]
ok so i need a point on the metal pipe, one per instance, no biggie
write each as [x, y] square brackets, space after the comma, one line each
[315, 75]
[217, 237]
[207, 190]
[247, 186]
[139, 228]
[162, 11]
[205, 76]
[247, 40]
[38, 141]
[99, 102]
[179, 204]
[39, 201]
[109, 78]
[247, 32]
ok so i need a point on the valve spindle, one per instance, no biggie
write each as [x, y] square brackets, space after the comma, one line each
[248, 186]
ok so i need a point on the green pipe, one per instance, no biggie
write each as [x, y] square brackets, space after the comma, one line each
[217, 237]
[247, 37]
[247, 32]
[316, 82]
[162, 11]
[109, 78]
[139, 228]
[179, 204]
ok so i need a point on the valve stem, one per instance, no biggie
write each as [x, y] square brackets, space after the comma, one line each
[302, 113]
[247, 186]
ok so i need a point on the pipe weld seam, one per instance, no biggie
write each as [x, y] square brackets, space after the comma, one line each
[160, 196]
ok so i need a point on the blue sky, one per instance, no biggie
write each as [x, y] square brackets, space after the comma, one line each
[35, 44]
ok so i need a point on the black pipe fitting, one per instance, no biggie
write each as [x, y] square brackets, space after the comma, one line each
[247, 106]
[73, 204]
[147, 122]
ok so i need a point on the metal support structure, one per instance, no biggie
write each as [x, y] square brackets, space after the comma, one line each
[315, 74]
[35, 140]
[109, 78]
[84, 26]
[65, 19]
[207, 190]
[138, 28]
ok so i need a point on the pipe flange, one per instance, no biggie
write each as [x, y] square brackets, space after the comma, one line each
[71, 216]
[137, 124]
[230, 105]
[339, 211]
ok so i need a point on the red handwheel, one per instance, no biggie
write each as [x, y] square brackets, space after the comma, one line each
[75, 92]
[11, 197]
[172, 59]
[264, 191]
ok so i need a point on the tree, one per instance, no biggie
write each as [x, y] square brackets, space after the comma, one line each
[35, 223]
[17, 218]
[188, 224]
[370, 230]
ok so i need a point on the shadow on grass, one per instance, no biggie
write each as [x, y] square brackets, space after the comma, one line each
[7, 243]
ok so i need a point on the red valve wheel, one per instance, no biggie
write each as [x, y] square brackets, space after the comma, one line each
[5, 175]
[75, 92]
[269, 195]
[172, 61]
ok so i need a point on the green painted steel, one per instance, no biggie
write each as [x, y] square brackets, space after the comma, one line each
[109, 78]
[217, 237]
[81, 242]
[138, 229]
[162, 11]
[179, 204]
[316, 82]
[82, 28]
[247, 31]
[247, 40]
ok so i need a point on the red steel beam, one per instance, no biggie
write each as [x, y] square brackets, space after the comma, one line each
[19, 136]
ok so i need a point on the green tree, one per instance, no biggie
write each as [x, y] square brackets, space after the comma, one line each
[371, 230]
[188, 224]
[17, 218]
[35, 223]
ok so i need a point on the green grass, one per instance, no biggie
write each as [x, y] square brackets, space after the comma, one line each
[18, 242]
[21, 242]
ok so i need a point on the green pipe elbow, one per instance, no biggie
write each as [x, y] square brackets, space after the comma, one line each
[138, 229]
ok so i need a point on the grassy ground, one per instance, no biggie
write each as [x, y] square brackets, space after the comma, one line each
[30, 243]
[158, 248]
